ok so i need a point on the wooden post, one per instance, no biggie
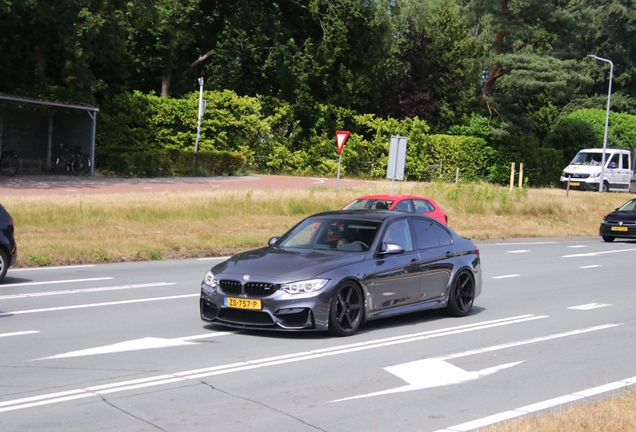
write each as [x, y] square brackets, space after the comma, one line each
[512, 175]
[520, 175]
[567, 190]
[457, 176]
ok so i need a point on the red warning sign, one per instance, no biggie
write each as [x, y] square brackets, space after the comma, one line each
[341, 138]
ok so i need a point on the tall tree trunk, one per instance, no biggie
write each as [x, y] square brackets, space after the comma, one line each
[494, 71]
[40, 60]
[165, 82]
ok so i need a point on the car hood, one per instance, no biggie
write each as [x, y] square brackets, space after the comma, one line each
[582, 169]
[622, 216]
[279, 265]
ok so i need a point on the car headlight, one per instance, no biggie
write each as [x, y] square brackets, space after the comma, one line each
[305, 286]
[597, 174]
[211, 280]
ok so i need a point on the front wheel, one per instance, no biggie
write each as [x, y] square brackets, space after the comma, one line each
[4, 264]
[462, 295]
[345, 313]
[608, 239]
[605, 186]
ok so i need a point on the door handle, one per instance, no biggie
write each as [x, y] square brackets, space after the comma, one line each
[449, 254]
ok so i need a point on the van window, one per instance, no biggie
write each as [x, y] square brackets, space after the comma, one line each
[625, 160]
[614, 161]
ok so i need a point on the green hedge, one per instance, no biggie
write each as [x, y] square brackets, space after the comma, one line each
[135, 162]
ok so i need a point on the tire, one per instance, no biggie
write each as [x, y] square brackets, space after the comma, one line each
[4, 264]
[608, 239]
[605, 186]
[10, 165]
[462, 295]
[346, 311]
[81, 165]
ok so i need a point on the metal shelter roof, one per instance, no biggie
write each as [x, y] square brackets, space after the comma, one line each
[40, 102]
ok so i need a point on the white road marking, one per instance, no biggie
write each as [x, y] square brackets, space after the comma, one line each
[550, 403]
[54, 282]
[84, 290]
[524, 243]
[318, 180]
[148, 187]
[136, 345]
[296, 357]
[578, 246]
[590, 306]
[19, 333]
[505, 276]
[12, 270]
[429, 373]
[590, 266]
[246, 365]
[22, 312]
[212, 258]
[597, 253]
[519, 251]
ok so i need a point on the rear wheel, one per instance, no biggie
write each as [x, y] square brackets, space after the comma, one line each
[462, 295]
[608, 239]
[9, 165]
[345, 314]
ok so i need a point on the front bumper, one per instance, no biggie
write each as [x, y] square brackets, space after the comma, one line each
[579, 184]
[610, 229]
[280, 311]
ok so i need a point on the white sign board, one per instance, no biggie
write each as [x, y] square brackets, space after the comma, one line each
[397, 158]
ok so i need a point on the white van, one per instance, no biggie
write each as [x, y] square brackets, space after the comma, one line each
[584, 172]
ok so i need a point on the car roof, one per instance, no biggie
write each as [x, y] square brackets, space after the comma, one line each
[391, 197]
[367, 214]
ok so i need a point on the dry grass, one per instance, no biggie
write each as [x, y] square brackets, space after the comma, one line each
[100, 228]
[617, 414]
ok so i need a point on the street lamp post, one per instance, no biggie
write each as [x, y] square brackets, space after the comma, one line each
[609, 97]
[201, 108]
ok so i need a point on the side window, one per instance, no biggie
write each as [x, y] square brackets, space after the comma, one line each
[423, 206]
[425, 233]
[444, 236]
[404, 206]
[625, 159]
[398, 232]
[614, 162]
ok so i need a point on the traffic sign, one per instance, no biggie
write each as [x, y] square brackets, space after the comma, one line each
[341, 138]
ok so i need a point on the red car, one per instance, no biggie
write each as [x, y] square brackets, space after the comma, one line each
[407, 203]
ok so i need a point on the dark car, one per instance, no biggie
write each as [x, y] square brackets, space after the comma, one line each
[336, 270]
[8, 248]
[621, 223]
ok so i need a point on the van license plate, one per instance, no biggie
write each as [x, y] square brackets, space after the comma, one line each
[619, 228]
[575, 184]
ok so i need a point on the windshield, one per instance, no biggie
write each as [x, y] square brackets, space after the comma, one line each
[628, 206]
[584, 158]
[361, 204]
[336, 234]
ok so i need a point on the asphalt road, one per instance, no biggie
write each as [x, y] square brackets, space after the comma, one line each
[121, 347]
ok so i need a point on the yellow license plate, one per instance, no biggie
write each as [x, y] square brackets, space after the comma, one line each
[575, 184]
[619, 228]
[240, 303]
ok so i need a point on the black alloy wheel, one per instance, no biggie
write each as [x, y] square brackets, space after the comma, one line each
[462, 295]
[605, 186]
[345, 315]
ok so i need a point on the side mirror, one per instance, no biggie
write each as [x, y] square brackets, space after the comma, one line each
[612, 165]
[273, 241]
[391, 248]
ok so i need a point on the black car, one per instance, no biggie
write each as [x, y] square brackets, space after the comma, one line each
[335, 270]
[621, 223]
[8, 248]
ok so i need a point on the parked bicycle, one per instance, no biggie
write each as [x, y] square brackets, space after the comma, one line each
[9, 162]
[79, 163]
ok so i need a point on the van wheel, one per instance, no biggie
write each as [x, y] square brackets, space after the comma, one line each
[605, 186]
